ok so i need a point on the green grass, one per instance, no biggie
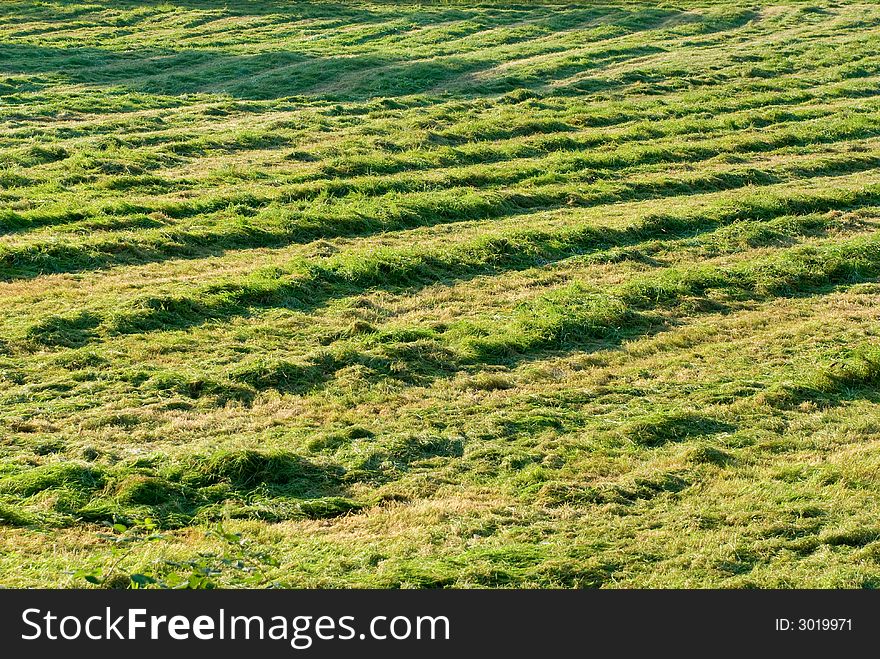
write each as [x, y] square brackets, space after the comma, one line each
[468, 294]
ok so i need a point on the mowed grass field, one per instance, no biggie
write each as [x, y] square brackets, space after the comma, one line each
[442, 294]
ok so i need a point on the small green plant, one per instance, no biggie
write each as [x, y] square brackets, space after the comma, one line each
[239, 562]
[122, 540]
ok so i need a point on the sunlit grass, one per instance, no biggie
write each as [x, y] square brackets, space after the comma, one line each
[449, 294]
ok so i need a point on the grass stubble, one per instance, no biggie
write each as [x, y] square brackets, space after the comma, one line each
[459, 294]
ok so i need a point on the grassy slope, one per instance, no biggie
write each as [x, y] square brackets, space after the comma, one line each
[491, 295]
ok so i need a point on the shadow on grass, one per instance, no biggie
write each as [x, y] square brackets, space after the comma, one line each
[348, 74]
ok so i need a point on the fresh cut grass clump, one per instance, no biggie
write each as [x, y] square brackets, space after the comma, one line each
[473, 294]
